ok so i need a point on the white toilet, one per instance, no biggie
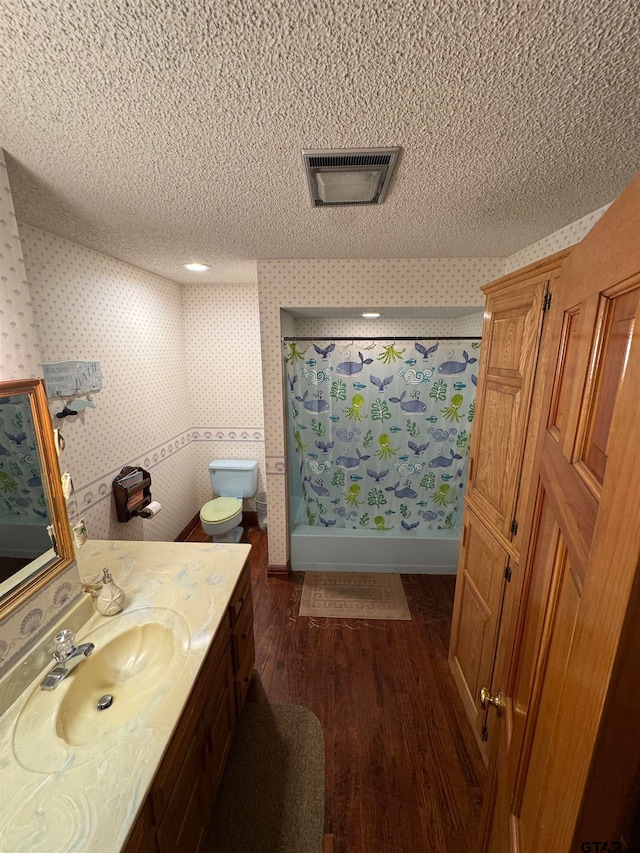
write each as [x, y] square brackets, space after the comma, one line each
[232, 480]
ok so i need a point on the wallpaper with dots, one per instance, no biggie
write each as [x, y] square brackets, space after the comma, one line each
[19, 350]
[466, 325]
[224, 376]
[91, 307]
[561, 239]
[20, 359]
[182, 379]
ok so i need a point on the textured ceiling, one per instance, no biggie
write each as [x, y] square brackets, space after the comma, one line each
[160, 131]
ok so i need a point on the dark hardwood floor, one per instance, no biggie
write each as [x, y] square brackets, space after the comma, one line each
[403, 773]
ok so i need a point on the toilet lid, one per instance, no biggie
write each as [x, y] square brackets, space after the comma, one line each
[220, 509]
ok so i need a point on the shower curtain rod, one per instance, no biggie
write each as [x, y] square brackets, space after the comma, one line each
[386, 338]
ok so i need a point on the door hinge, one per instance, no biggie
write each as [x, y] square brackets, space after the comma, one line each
[507, 573]
[546, 301]
[484, 734]
[514, 527]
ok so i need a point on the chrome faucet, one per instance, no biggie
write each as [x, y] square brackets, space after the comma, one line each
[67, 656]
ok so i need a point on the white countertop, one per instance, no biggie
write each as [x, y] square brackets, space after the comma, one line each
[86, 798]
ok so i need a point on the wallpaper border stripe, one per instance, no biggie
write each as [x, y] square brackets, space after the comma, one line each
[84, 499]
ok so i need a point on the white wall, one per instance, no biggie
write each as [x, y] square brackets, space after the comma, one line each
[19, 349]
[408, 327]
[20, 359]
[224, 377]
[90, 307]
[561, 239]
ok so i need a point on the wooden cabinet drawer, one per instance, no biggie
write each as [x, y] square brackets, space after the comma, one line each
[242, 633]
[142, 838]
[243, 673]
[183, 820]
[241, 593]
[176, 813]
[167, 775]
[221, 720]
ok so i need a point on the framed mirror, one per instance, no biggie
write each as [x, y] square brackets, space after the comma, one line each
[35, 540]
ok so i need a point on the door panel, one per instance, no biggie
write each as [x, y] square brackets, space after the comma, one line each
[583, 541]
[561, 406]
[620, 311]
[510, 344]
[538, 596]
[536, 799]
[480, 578]
[495, 461]
[574, 506]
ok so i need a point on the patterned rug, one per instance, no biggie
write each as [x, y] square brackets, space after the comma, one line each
[354, 596]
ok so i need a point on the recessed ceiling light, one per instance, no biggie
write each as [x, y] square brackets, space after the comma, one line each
[195, 267]
[371, 315]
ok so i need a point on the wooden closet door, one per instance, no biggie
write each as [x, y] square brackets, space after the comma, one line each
[509, 350]
[584, 536]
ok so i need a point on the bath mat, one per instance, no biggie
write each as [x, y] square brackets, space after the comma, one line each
[271, 799]
[354, 595]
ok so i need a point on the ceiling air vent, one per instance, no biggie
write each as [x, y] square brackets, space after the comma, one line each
[347, 176]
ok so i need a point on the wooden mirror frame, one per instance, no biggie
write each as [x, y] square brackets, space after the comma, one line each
[34, 389]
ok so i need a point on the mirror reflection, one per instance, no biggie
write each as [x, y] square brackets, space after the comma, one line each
[34, 540]
[24, 515]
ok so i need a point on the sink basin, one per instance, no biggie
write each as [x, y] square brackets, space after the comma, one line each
[135, 661]
[129, 668]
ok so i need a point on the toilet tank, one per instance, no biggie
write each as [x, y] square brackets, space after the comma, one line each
[234, 478]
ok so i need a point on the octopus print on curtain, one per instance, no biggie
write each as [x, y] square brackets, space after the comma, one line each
[21, 490]
[382, 430]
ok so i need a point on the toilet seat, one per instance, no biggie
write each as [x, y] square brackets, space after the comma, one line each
[219, 510]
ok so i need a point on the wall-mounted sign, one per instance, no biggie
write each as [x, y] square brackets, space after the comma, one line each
[66, 378]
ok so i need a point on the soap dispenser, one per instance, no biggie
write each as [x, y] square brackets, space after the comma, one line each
[108, 595]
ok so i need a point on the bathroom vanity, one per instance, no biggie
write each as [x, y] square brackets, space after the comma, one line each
[143, 774]
[175, 814]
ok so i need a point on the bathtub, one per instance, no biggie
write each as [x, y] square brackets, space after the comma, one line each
[331, 549]
[24, 537]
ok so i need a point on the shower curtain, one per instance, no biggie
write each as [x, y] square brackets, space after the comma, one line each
[382, 430]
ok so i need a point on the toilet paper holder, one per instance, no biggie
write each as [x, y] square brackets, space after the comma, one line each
[131, 492]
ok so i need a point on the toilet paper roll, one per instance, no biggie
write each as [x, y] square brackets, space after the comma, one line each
[151, 509]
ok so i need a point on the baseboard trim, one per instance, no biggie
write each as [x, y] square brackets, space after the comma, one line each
[188, 529]
[281, 572]
[249, 519]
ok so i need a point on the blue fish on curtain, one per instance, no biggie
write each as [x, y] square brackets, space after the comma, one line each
[382, 434]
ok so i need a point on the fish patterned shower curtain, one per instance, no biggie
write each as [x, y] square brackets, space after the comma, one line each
[382, 430]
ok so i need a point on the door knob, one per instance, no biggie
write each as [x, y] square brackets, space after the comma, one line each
[487, 699]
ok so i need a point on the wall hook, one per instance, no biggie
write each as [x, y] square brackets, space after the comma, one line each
[66, 412]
